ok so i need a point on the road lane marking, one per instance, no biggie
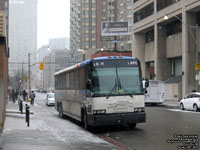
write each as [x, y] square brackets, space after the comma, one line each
[185, 111]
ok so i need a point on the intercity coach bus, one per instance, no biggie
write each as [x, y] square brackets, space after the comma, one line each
[102, 91]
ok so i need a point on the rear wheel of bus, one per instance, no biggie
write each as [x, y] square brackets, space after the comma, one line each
[61, 111]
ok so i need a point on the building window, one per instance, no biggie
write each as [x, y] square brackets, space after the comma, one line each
[86, 20]
[93, 43]
[176, 67]
[135, 1]
[93, 13]
[86, 12]
[86, 5]
[93, 28]
[163, 3]
[93, 5]
[174, 28]
[144, 12]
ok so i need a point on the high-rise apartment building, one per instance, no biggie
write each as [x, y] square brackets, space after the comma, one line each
[125, 13]
[85, 24]
[22, 32]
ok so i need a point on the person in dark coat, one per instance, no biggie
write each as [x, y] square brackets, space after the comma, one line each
[16, 95]
[13, 95]
[32, 97]
[24, 95]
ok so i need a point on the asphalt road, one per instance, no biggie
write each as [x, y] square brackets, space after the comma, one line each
[165, 129]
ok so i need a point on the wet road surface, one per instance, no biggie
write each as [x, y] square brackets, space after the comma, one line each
[163, 128]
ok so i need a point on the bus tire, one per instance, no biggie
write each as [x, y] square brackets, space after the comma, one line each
[85, 123]
[61, 111]
[132, 125]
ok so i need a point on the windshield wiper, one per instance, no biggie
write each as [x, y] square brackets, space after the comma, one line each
[112, 90]
[120, 87]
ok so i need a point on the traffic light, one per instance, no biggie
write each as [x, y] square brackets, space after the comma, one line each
[41, 66]
[26, 78]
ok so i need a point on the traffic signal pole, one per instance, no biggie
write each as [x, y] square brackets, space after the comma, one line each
[29, 73]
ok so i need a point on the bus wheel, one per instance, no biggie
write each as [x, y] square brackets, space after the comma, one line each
[132, 125]
[61, 111]
[85, 121]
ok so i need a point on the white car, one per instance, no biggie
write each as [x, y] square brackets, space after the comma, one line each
[191, 102]
[50, 100]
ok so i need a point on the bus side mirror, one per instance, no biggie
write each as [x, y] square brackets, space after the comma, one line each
[146, 84]
[89, 84]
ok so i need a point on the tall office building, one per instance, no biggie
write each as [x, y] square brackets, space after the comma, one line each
[85, 24]
[22, 32]
[166, 40]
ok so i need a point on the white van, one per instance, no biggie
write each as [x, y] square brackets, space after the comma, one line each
[154, 92]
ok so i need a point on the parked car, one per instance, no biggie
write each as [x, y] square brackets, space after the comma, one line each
[191, 102]
[50, 100]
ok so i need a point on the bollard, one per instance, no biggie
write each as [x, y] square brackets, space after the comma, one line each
[28, 115]
[21, 106]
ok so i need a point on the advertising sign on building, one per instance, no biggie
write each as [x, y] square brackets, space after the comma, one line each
[113, 28]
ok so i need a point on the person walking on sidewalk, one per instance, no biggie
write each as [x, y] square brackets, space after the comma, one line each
[13, 95]
[32, 97]
[24, 95]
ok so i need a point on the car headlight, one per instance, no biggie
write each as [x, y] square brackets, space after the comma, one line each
[139, 109]
[102, 111]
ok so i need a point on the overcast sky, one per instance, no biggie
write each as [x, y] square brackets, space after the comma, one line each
[53, 20]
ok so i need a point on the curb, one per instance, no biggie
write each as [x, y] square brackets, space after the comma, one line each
[16, 112]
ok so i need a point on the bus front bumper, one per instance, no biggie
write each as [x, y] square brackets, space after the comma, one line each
[116, 119]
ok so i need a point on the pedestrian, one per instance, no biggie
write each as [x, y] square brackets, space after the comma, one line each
[10, 94]
[16, 95]
[13, 95]
[32, 97]
[24, 95]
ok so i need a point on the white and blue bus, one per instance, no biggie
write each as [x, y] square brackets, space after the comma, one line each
[102, 91]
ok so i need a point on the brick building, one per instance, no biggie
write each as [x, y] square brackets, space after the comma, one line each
[3, 62]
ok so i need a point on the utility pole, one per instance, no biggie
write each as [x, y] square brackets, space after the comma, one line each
[22, 79]
[29, 73]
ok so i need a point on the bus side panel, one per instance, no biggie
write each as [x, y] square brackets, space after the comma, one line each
[72, 102]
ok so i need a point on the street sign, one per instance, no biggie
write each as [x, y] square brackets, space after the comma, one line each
[197, 66]
[41, 66]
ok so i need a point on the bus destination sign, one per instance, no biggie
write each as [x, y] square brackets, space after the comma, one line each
[124, 63]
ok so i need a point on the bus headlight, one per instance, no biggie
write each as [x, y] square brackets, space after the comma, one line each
[139, 109]
[102, 111]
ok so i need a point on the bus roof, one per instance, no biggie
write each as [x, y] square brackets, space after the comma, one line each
[90, 60]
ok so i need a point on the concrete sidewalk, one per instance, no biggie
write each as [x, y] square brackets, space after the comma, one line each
[171, 103]
[17, 136]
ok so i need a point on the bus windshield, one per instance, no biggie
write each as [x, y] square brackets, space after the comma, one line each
[116, 81]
